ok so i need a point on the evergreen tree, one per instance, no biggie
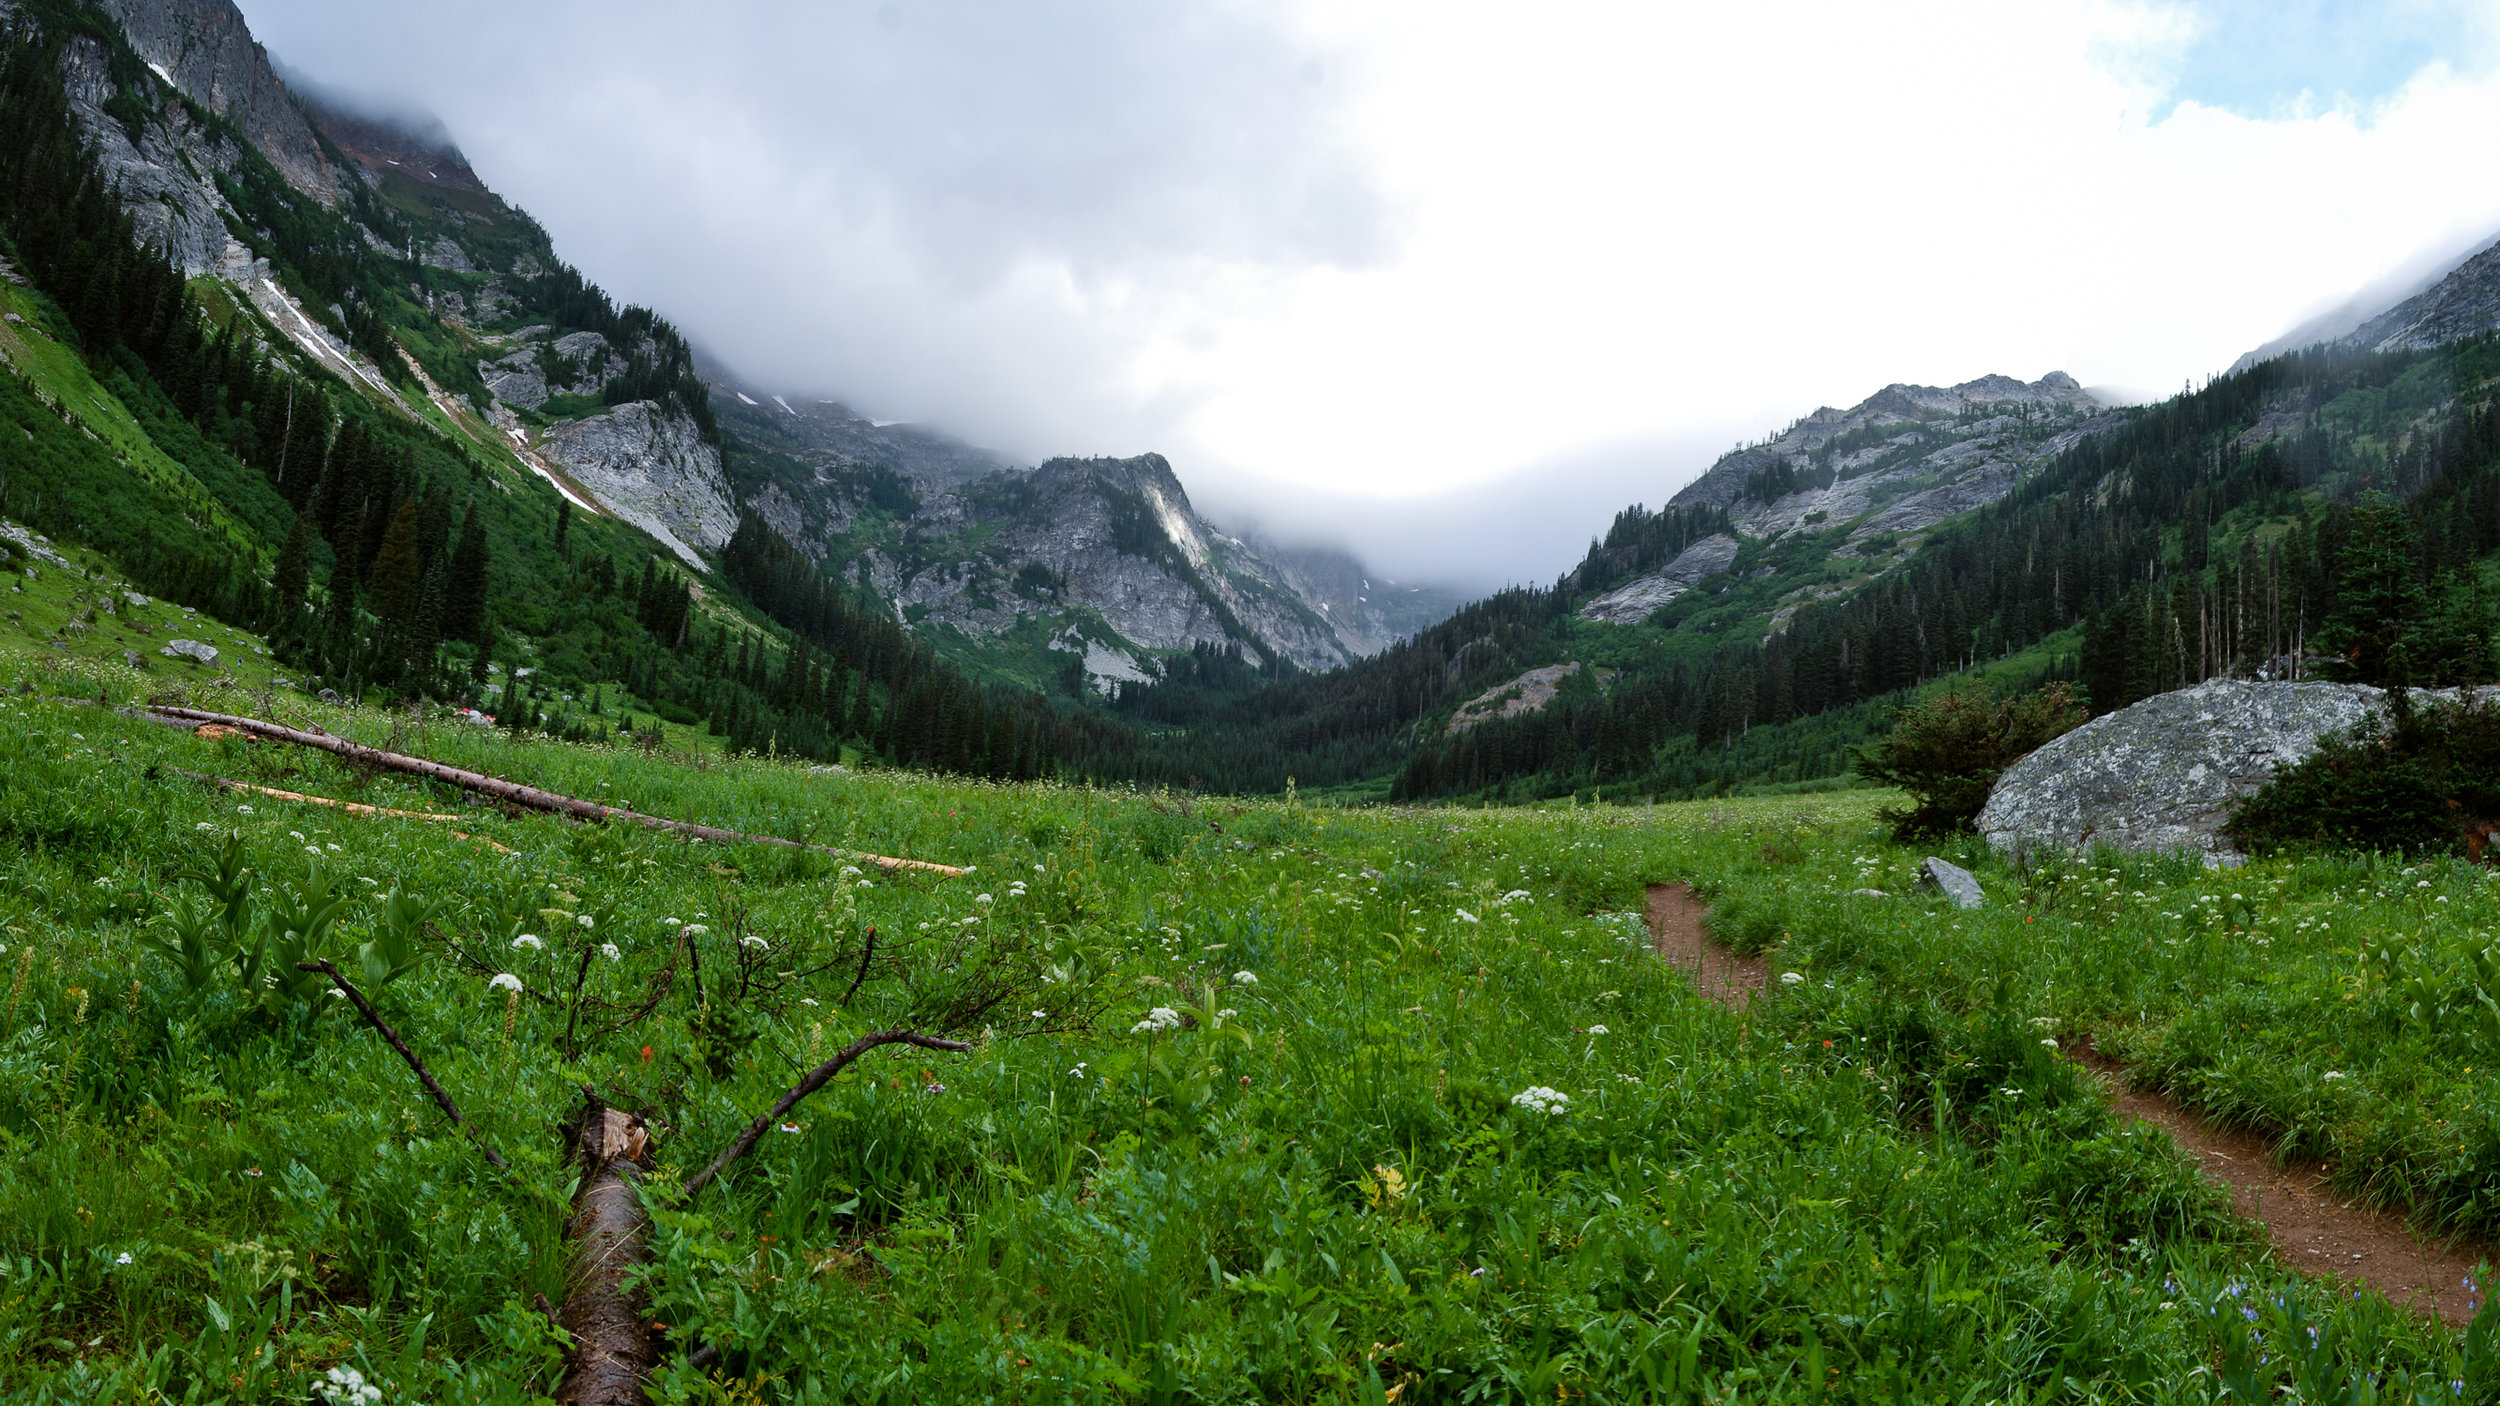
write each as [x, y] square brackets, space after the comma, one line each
[464, 597]
[2374, 632]
[396, 582]
[293, 575]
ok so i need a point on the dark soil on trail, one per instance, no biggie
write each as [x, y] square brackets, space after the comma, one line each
[1679, 931]
[2312, 1227]
[2316, 1229]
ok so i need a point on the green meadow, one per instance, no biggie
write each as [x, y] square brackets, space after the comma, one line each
[1265, 1101]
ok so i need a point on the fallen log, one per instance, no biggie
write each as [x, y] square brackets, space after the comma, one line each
[610, 1236]
[351, 807]
[528, 797]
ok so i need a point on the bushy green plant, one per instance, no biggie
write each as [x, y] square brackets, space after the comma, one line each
[1948, 751]
[2423, 780]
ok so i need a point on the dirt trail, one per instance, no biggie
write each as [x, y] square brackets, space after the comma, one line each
[2313, 1229]
[1679, 932]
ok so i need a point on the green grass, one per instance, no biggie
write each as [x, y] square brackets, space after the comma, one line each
[1877, 1184]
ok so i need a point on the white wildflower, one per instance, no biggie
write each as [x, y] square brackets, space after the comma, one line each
[698, 929]
[751, 940]
[334, 849]
[1226, 1014]
[849, 871]
[1246, 978]
[530, 941]
[585, 921]
[2331, 1075]
[1792, 978]
[983, 899]
[1160, 1018]
[246, 810]
[670, 923]
[609, 951]
[204, 825]
[504, 981]
[1599, 1030]
[1536, 1098]
[345, 1386]
[1466, 917]
[1041, 1015]
[122, 1258]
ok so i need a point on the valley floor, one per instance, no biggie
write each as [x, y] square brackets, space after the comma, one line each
[1292, 1103]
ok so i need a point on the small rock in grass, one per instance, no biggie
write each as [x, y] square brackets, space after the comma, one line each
[1868, 893]
[1953, 880]
[192, 650]
[134, 659]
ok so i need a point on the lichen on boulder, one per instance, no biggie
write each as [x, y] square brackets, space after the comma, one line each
[2165, 773]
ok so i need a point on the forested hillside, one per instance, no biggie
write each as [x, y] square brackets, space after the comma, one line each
[2201, 536]
[381, 535]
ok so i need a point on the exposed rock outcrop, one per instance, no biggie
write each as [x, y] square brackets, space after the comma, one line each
[1636, 601]
[958, 536]
[2163, 774]
[1528, 693]
[1900, 461]
[204, 48]
[652, 469]
[166, 177]
[584, 363]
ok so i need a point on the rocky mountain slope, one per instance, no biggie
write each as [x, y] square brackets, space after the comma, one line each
[1870, 481]
[2459, 301]
[1104, 560]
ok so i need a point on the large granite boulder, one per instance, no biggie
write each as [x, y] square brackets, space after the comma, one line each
[2163, 774]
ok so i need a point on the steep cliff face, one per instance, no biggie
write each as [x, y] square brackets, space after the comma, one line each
[1108, 550]
[204, 48]
[166, 175]
[653, 469]
[1115, 537]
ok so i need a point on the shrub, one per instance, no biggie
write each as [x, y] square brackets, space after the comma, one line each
[2420, 781]
[1947, 753]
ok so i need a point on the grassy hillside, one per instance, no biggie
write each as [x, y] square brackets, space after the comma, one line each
[1336, 1181]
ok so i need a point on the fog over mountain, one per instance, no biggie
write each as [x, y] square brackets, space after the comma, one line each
[1369, 274]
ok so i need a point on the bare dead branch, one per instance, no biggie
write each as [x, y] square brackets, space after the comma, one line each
[867, 949]
[573, 1015]
[816, 1079]
[514, 793]
[425, 1076]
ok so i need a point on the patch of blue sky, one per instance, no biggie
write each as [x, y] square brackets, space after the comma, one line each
[2269, 58]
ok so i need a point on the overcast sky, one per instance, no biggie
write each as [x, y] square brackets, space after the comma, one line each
[1444, 282]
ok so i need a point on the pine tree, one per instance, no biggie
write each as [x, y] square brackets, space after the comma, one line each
[425, 632]
[395, 581]
[2371, 636]
[293, 576]
[464, 600]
